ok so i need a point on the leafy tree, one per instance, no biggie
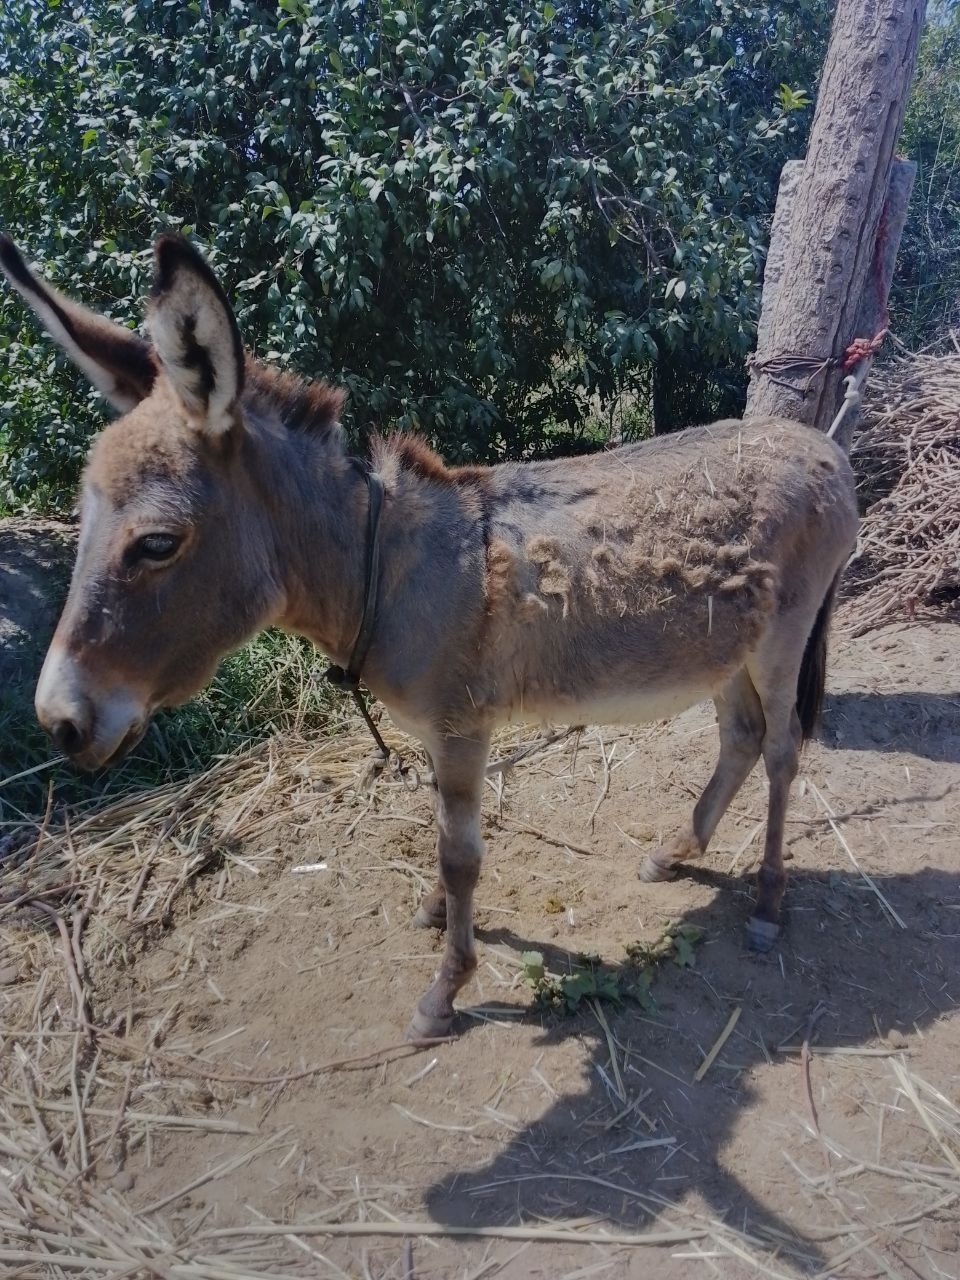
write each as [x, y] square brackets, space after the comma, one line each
[925, 299]
[487, 219]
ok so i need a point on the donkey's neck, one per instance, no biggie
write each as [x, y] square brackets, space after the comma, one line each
[317, 507]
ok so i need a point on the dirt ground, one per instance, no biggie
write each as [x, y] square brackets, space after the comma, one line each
[34, 568]
[771, 1163]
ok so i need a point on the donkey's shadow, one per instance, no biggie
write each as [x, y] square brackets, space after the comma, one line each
[839, 950]
[927, 724]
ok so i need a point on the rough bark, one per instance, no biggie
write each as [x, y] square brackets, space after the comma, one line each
[835, 263]
[873, 304]
[773, 270]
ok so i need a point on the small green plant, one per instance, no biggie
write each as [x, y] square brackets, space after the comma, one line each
[592, 979]
[792, 99]
[678, 943]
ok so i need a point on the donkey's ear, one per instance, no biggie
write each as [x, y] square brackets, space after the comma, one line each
[195, 335]
[117, 361]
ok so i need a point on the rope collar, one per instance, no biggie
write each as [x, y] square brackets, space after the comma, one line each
[348, 679]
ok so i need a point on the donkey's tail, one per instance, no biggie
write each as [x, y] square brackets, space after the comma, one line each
[813, 668]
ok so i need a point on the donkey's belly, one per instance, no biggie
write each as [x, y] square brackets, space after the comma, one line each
[625, 706]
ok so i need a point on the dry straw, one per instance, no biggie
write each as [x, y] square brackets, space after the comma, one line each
[79, 1098]
[907, 459]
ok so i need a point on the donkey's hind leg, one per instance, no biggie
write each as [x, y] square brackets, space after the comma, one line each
[741, 725]
[460, 763]
[776, 684]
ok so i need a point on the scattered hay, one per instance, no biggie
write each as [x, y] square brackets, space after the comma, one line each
[77, 1097]
[81, 1087]
[907, 458]
[54, 1220]
[929, 1188]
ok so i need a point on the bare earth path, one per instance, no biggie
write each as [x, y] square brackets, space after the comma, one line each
[769, 1164]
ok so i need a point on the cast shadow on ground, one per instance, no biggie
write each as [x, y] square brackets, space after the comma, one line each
[925, 724]
[839, 949]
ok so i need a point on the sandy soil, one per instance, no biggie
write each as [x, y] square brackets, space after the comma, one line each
[34, 569]
[767, 1165]
[518, 1118]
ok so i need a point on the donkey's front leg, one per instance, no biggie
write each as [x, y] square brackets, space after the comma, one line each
[432, 910]
[459, 765]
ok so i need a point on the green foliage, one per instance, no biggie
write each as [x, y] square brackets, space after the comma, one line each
[678, 943]
[591, 979]
[925, 299]
[485, 219]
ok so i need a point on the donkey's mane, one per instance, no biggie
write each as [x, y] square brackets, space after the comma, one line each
[310, 407]
[414, 455]
[314, 408]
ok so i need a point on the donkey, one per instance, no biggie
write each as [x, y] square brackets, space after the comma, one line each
[620, 587]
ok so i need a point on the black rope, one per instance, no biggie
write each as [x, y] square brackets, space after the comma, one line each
[793, 363]
[348, 678]
[361, 702]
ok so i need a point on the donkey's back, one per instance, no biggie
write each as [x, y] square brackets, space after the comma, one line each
[626, 585]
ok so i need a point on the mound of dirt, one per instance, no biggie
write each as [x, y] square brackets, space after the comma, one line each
[35, 561]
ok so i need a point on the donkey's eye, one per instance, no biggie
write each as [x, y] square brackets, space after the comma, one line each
[156, 546]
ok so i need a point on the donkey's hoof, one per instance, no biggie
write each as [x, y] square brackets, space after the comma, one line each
[424, 1027]
[653, 871]
[427, 919]
[761, 934]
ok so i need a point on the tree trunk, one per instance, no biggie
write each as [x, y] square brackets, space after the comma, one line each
[831, 274]
[873, 305]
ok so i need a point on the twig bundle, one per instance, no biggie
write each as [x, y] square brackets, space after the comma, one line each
[907, 459]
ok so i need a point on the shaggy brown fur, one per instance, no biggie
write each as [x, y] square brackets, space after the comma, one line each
[622, 586]
[301, 405]
[414, 454]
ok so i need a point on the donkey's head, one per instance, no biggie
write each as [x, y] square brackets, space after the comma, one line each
[175, 563]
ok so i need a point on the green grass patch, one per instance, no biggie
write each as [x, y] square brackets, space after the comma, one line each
[269, 687]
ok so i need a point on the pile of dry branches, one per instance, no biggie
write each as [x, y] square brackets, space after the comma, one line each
[907, 459]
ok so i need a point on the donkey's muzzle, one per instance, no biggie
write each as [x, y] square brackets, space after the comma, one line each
[91, 725]
[70, 738]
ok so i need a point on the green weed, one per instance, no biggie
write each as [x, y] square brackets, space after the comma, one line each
[592, 979]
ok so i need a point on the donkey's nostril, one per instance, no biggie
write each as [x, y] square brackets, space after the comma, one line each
[68, 737]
